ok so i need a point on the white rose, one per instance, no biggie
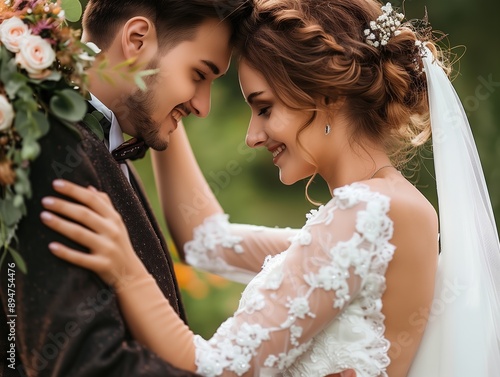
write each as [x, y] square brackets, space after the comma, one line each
[6, 113]
[35, 56]
[12, 32]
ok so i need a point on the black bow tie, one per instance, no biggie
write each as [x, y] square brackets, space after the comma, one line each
[132, 149]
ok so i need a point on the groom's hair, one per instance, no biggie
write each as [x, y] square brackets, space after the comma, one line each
[175, 20]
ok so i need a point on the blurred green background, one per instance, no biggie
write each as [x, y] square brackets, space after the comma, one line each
[255, 194]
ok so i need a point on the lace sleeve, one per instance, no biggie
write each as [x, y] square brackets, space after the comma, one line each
[234, 251]
[336, 258]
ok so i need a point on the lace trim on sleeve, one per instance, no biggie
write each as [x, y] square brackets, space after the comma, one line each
[202, 252]
[234, 251]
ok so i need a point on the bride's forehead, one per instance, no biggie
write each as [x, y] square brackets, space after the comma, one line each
[251, 80]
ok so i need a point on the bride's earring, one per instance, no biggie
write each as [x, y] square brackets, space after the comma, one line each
[328, 128]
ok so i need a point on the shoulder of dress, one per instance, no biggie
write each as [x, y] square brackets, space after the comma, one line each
[355, 193]
[348, 196]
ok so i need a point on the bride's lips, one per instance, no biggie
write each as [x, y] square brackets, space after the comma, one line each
[276, 151]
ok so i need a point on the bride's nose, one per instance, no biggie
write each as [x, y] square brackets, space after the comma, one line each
[256, 135]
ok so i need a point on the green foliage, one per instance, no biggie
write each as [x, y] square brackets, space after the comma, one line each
[68, 105]
[92, 122]
[72, 10]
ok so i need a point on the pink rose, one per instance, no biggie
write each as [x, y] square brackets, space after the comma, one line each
[6, 113]
[35, 56]
[12, 32]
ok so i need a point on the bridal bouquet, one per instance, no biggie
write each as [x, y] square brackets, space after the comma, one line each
[42, 77]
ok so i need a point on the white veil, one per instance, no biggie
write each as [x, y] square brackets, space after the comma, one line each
[462, 337]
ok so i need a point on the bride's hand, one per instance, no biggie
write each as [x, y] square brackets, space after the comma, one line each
[97, 226]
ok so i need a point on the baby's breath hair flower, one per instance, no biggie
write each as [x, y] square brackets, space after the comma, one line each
[384, 28]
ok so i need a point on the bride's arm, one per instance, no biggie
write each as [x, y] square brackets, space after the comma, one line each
[202, 233]
[185, 196]
[300, 293]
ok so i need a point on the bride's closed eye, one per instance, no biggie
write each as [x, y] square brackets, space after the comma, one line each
[265, 111]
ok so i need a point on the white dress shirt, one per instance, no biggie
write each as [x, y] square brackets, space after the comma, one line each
[115, 133]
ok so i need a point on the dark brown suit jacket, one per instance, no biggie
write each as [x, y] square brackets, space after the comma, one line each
[68, 321]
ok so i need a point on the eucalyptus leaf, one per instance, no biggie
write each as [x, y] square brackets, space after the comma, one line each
[23, 175]
[68, 105]
[18, 201]
[15, 82]
[8, 66]
[10, 213]
[21, 188]
[23, 185]
[15, 157]
[30, 150]
[72, 10]
[22, 106]
[94, 125]
[18, 260]
[26, 94]
[21, 123]
[42, 124]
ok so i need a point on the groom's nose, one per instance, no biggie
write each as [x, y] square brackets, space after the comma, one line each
[201, 102]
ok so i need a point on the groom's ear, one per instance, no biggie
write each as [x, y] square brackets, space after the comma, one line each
[139, 40]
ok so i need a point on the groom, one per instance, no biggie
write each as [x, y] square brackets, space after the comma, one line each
[69, 323]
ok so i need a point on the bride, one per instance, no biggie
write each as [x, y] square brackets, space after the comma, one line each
[343, 89]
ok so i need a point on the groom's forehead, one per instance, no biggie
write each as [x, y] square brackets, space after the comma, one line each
[210, 48]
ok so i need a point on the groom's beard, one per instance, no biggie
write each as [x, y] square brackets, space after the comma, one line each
[141, 105]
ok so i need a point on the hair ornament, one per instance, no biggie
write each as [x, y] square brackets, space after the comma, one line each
[385, 27]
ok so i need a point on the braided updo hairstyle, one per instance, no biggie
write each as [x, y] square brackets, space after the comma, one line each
[309, 50]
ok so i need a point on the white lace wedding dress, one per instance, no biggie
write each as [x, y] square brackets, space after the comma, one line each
[315, 308]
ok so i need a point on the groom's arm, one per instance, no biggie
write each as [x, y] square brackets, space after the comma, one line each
[68, 322]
